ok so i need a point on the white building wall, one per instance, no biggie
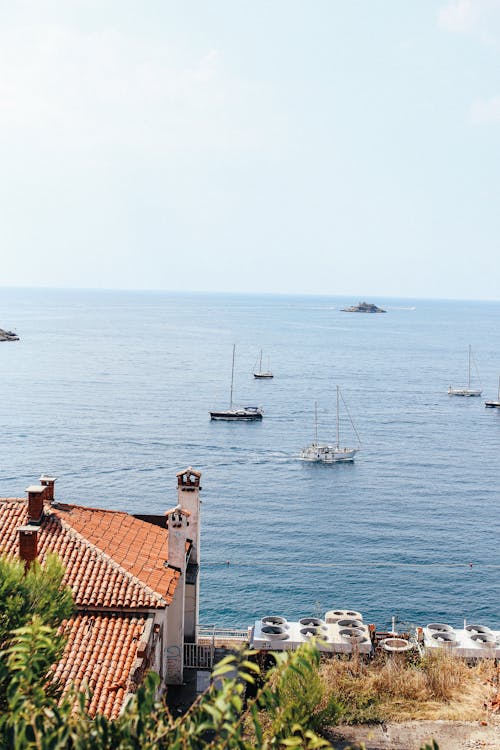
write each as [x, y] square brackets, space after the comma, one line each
[190, 612]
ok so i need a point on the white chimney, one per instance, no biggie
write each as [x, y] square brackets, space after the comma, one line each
[188, 497]
[177, 527]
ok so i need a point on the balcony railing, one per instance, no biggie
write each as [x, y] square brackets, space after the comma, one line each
[200, 655]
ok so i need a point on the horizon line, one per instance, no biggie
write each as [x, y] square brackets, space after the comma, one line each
[160, 290]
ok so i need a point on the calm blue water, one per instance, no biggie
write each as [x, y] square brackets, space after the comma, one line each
[111, 392]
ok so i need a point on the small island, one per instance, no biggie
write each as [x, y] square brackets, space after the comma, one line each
[8, 335]
[364, 307]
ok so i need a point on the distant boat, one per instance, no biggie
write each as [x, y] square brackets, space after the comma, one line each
[465, 390]
[324, 452]
[8, 335]
[263, 374]
[494, 404]
[237, 413]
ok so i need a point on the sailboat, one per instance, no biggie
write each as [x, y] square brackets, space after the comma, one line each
[465, 391]
[326, 453]
[263, 374]
[494, 404]
[237, 413]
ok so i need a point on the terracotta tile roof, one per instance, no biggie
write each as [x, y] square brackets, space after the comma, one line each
[139, 547]
[112, 559]
[100, 653]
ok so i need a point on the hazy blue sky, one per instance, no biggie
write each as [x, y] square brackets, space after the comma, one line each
[321, 146]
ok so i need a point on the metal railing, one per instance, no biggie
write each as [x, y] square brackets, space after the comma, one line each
[214, 635]
[198, 657]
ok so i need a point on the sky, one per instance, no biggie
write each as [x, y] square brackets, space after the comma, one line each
[276, 146]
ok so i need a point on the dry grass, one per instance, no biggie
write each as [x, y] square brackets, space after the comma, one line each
[438, 686]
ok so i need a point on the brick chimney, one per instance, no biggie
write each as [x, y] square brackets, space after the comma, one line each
[36, 496]
[48, 483]
[28, 544]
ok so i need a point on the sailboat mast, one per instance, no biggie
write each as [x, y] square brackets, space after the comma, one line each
[338, 419]
[232, 380]
[316, 420]
[468, 382]
[498, 396]
[260, 363]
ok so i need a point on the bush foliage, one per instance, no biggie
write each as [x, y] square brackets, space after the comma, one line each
[288, 709]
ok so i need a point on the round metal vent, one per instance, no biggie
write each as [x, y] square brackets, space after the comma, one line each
[275, 620]
[274, 632]
[440, 627]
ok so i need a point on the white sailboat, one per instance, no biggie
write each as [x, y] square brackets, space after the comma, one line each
[494, 404]
[325, 452]
[465, 390]
[237, 413]
[263, 374]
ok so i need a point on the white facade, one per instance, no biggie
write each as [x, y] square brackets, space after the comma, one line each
[183, 525]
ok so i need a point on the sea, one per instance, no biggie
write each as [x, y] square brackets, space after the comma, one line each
[110, 391]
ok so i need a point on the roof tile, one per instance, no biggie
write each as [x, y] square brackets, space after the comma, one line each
[108, 563]
[99, 654]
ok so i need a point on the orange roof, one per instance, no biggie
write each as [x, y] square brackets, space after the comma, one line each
[139, 547]
[100, 654]
[111, 558]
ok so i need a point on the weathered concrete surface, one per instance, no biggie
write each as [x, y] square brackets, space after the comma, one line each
[412, 735]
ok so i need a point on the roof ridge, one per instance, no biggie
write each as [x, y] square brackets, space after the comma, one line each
[114, 564]
[59, 504]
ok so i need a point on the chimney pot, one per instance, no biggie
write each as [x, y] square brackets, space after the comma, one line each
[48, 483]
[188, 479]
[36, 496]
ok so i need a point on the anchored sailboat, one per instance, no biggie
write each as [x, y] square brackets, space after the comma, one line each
[494, 404]
[237, 413]
[326, 453]
[465, 391]
[263, 374]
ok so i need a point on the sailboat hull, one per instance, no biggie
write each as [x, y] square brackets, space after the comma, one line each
[328, 454]
[466, 392]
[492, 404]
[238, 415]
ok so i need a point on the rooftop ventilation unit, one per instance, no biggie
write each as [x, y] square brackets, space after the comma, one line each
[473, 642]
[440, 627]
[445, 639]
[478, 629]
[314, 621]
[334, 615]
[274, 632]
[275, 620]
[347, 634]
[314, 627]
[353, 635]
[486, 638]
[438, 634]
[350, 623]
[321, 634]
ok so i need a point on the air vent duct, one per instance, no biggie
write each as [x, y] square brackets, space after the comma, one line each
[334, 615]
